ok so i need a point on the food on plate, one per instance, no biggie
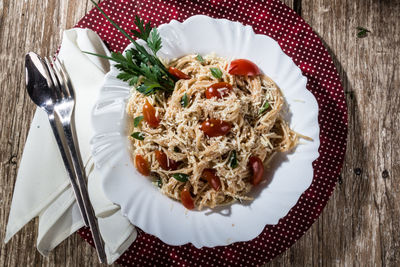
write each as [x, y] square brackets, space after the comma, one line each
[202, 127]
[207, 141]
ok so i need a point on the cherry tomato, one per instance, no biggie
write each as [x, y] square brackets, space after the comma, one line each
[142, 165]
[165, 162]
[214, 127]
[178, 74]
[212, 178]
[257, 169]
[149, 114]
[186, 199]
[243, 67]
[218, 90]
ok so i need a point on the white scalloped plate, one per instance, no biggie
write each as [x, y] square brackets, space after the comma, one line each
[167, 219]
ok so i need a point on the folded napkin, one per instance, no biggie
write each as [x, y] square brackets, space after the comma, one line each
[42, 188]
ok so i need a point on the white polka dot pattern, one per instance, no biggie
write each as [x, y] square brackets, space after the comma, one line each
[298, 41]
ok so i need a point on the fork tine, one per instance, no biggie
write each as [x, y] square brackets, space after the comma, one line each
[53, 78]
[61, 79]
[65, 77]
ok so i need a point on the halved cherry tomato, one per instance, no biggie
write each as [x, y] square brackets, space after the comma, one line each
[214, 127]
[149, 114]
[142, 165]
[243, 67]
[165, 162]
[178, 74]
[257, 169]
[186, 199]
[218, 90]
[212, 178]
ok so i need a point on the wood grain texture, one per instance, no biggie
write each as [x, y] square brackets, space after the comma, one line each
[30, 26]
[360, 225]
[361, 222]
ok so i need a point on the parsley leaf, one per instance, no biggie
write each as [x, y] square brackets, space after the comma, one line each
[181, 177]
[148, 87]
[154, 41]
[200, 58]
[216, 72]
[362, 32]
[138, 136]
[233, 160]
[159, 183]
[137, 120]
[264, 107]
[144, 30]
[184, 101]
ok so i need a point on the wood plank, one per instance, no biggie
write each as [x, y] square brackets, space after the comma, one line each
[360, 224]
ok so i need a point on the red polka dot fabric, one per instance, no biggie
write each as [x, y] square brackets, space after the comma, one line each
[297, 40]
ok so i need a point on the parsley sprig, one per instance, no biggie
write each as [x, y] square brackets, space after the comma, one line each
[233, 162]
[185, 100]
[137, 66]
[138, 136]
[137, 120]
[216, 72]
[181, 177]
[264, 107]
[200, 59]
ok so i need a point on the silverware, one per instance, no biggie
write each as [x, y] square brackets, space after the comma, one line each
[50, 88]
[38, 85]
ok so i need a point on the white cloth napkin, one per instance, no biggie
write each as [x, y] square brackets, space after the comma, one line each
[42, 188]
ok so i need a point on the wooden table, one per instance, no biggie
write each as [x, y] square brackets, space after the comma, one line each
[361, 223]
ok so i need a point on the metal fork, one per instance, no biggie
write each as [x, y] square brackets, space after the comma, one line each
[64, 111]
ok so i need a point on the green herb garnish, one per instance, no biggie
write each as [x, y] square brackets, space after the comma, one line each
[137, 120]
[233, 159]
[200, 58]
[264, 107]
[159, 183]
[362, 32]
[138, 136]
[184, 101]
[177, 150]
[181, 177]
[144, 30]
[216, 72]
[154, 41]
[137, 66]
